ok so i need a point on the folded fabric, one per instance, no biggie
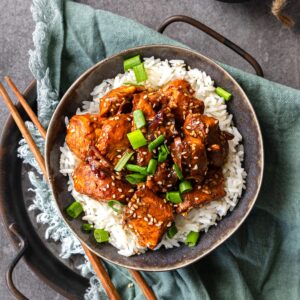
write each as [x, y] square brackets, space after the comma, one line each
[261, 260]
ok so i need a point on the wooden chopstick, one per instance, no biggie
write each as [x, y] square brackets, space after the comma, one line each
[27, 108]
[97, 265]
[25, 132]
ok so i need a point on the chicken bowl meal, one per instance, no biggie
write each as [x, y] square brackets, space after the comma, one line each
[154, 158]
[147, 154]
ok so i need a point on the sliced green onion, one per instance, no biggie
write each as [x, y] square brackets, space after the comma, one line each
[87, 227]
[135, 178]
[223, 93]
[132, 83]
[192, 238]
[123, 161]
[136, 168]
[163, 153]
[101, 235]
[132, 62]
[173, 197]
[136, 139]
[185, 186]
[157, 142]
[74, 210]
[178, 171]
[172, 231]
[115, 205]
[139, 118]
[140, 73]
[152, 165]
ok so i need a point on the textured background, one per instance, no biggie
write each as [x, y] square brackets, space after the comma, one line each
[250, 25]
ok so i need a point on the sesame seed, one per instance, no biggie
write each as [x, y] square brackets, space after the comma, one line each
[120, 190]
[146, 219]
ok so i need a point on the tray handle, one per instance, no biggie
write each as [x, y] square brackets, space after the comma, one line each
[23, 244]
[217, 36]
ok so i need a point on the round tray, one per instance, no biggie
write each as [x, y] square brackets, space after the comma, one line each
[41, 255]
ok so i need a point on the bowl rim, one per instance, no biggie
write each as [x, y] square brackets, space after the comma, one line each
[224, 237]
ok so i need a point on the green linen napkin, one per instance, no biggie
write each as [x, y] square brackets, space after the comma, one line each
[262, 259]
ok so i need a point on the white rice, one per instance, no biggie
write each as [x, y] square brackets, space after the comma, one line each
[200, 219]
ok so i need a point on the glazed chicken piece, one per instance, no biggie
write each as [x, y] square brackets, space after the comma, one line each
[211, 189]
[217, 151]
[111, 103]
[82, 131]
[148, 216]
[163, 123]
[112, 140]
[164, 178]
[194, 159]
[140, 101]
[143, 156]
[181, 100]
[157, 99]
[207, 129]
[201, 126]
[103, 187]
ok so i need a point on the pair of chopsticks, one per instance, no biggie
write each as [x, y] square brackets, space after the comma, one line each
[98, 267]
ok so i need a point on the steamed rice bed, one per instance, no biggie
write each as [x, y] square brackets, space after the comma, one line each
[198, 219]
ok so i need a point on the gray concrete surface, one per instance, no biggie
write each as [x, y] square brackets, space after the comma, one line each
[250, 25]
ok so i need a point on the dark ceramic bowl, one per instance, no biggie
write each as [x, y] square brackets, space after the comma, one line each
[244, 118]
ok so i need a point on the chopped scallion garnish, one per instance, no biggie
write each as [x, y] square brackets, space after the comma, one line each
[123, 161]
[101, 235]
[115, 205]
[173, 197]
[139, 118]
[178, 172]
[163, 153]
[157, 142]
[86, 227]
[140, 73]
[132, 62]
[185, 186]
[136, 139]
[135, 178]
[74, 210]
[152, 165]
[136, 168]
[192, 238]
[172, 231]
[132, 83]
[223, 93]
